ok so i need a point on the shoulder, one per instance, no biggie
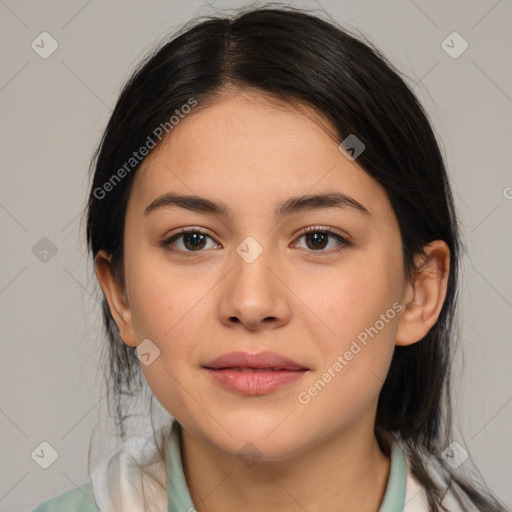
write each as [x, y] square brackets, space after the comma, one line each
[132, 472]
[416, 496]
[80, 499]
[416, 499]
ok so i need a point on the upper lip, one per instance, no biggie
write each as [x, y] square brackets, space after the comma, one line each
[266, 359]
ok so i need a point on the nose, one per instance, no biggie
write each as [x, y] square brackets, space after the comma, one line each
[254, 295]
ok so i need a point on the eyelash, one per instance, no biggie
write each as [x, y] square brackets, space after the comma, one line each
[166, 242]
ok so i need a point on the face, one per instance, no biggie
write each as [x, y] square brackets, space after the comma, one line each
[248, 280]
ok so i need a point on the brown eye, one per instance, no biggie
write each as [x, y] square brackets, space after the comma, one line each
[194, 241]
[191, 240]
[316, 240]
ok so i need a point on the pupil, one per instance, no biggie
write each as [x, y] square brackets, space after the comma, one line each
[318, 238]
[192, 236]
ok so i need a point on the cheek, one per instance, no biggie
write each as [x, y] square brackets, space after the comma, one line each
[169, 308]
[354, 298]
[165, 309]
[355, 360]
[360, 306]
[158, 297]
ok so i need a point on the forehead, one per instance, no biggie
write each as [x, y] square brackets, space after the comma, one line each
[250, 150]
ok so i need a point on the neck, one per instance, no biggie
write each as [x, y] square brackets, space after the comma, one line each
[347, 471]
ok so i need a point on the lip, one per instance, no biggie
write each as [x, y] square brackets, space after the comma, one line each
[254, 374]
[271, 360]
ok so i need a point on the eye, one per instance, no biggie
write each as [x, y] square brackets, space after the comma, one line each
[192, 240]
[317, 239]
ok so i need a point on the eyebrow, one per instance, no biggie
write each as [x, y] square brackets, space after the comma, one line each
[289, 206]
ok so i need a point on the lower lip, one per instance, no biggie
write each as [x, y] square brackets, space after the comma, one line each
[255, 383]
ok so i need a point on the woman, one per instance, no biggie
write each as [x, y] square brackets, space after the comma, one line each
[274, 233]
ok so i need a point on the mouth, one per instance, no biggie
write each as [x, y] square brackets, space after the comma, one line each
[268, 361]
[254, 381]
[251, 369]
[254, 374]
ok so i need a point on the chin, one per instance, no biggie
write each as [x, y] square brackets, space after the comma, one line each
[259, 440]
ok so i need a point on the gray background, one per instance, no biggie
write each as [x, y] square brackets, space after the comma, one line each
[53, 112]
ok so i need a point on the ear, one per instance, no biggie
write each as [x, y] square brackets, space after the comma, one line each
[116, 297]
[425, 296]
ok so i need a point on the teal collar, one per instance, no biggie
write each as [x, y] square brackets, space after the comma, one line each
[179, 499]
[394, 497]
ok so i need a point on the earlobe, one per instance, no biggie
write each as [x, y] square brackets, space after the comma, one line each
[425, 295]
[116, 297]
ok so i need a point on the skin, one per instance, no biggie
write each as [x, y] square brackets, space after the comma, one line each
[304, 303]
